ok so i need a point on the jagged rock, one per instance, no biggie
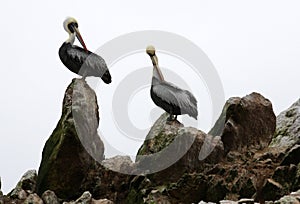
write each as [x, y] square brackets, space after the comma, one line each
[288, 127]
[27, 184]
[171, 149]
[49, 197]
[86, 198]
[102, 201]
[67, 153]
[287, 200]
[272, 190]
[292, 156]
[33, 199]
[246, 201]
[122, 164]
[246, 123]
[106, 183]
[18, 193]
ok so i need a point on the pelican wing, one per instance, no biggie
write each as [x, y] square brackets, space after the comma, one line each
[92, 64]
[178, 97]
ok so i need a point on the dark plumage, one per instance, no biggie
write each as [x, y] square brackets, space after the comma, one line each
[83, 62]
[172, 99]
[78, 60]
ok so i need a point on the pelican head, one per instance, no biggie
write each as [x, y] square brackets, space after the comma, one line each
[150, 50]
[71, 26]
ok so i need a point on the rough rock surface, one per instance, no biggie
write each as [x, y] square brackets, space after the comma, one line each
[235, 165]
[288, 127]
[67, 153]
[49, 197]
[27, 184]
[246, 123]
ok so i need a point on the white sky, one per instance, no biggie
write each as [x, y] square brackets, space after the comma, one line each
[254, 45]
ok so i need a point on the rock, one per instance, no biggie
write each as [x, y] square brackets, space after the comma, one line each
[288, 127]
[185, 148]
[86, 198]
[292, 156]
[122, 164]
[246, 123]
[246, 201]
[67, 153]
[18, 193]
[287, 200]
[27, 184]
[272, 190]
[296, 194]
[102, 201]
[33, 199]
[106, 183]
[49, 197]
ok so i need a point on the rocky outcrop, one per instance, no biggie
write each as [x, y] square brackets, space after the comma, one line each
[175, 164]
[170, 149]
[246, 123]
[228, 165]
[25, 186]
[67, 153]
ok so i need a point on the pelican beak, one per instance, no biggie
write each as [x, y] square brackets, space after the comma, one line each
[78, 35]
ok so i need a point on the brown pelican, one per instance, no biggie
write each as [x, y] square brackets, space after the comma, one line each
[78, 60]
[172, 99]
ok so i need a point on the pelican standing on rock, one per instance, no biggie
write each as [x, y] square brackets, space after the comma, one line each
[172, 99]
[80, 60]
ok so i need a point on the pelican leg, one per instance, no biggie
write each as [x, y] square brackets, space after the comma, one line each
[84, 76]
[170, 118]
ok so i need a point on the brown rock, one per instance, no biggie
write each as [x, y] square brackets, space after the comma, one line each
[67, 153]
[246, 123]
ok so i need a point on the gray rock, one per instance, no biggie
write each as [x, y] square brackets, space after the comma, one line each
[287, 200]
[26, 184]
[288, 127]
[118, 163]
[49, 197]
[85, 198]
[67, 153]
[33, 199]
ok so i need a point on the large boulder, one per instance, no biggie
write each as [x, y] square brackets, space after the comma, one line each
[170, 150]
[67, 153]
[246, 123]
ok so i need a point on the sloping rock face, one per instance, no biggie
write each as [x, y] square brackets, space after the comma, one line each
[171, 149]
[286, 176]
[67, 153]
[288, 127]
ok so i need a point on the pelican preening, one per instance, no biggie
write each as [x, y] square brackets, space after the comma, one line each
[172, 99]
[80, 60]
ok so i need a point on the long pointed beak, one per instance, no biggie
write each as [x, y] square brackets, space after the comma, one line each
[78, 35]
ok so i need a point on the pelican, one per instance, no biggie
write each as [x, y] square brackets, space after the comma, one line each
[80, 60]
[172, 99]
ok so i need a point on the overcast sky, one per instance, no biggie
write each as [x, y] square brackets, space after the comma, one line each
[254, 46]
